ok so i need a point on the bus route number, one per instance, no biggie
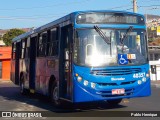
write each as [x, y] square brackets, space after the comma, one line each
[138, 75]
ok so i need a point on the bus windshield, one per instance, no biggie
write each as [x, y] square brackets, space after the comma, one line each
[91, 50]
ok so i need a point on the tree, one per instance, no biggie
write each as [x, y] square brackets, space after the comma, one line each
[12, 33]
[1, 37]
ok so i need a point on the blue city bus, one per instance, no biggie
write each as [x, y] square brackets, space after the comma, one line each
[85, 56]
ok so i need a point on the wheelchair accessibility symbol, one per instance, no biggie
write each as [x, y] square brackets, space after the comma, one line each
[122, 59]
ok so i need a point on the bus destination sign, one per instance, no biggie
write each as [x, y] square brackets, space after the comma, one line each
[108, 18]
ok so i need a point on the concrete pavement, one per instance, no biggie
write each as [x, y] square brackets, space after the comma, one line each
[156, 83]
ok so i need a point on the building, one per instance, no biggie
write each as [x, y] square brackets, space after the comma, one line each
[2, 32]
[5, 57]
[2, 43]
[154, 61]
[154, 53]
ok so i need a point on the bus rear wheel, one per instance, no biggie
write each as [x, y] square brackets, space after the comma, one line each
[114, 102]
[55, 96]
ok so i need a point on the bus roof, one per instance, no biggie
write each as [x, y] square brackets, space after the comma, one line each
[63, 19]
[112, 11]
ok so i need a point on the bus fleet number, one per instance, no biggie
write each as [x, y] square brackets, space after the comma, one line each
[138, 75]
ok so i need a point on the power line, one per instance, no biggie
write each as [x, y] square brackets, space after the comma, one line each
[32, 18]
[145, 6]
[129, 9]
[150, 6]
[21, 18]
[149, 0]
[43, 16]
[119, 7]
[51, 16]
[50, 6]
[35, 16]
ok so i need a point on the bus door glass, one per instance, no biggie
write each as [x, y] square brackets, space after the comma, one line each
[32, 67]
[17, 57]
[27, 61]
[65, 68]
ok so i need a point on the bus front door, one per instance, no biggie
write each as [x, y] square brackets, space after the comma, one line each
[65, 83]
[32, 65]
[17, 57]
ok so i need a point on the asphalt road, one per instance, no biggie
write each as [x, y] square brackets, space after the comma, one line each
[12, 100]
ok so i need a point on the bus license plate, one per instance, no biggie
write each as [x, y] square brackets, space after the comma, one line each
[118, 91]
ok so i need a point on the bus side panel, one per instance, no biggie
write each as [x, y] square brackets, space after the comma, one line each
[45, 68]
[52, 69]
[40, 83]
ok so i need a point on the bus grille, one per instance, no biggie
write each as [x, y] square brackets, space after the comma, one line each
[115, 84]
[116, 72]
[128, 92]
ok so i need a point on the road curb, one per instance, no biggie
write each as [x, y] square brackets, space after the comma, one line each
[5, 81]
[155, 85]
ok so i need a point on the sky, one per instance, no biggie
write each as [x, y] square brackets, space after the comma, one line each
[35, 13]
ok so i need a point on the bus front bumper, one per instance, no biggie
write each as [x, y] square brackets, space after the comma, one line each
[88, 94]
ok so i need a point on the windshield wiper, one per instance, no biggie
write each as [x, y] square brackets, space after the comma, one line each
[126, 35]
[102, 34]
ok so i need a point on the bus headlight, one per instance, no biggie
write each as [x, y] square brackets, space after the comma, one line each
[85, 82]
[139, 82]
[144, 79]
[147, 75]
[79, 79]
[93, 85]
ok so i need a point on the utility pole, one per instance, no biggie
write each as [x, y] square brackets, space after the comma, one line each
[135, 6]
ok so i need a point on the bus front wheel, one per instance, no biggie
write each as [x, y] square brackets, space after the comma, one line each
[55, 95]
[114, 102]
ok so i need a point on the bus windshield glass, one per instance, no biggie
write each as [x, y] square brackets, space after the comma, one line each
[91, 50]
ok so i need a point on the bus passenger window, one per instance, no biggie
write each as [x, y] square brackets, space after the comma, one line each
[13, 50]
[23, 47]
[52, 44]
[66, 59]
[27, 51]
[42, 44]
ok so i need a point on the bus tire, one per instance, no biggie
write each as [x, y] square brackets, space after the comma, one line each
[55, 95]
[114, 102]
